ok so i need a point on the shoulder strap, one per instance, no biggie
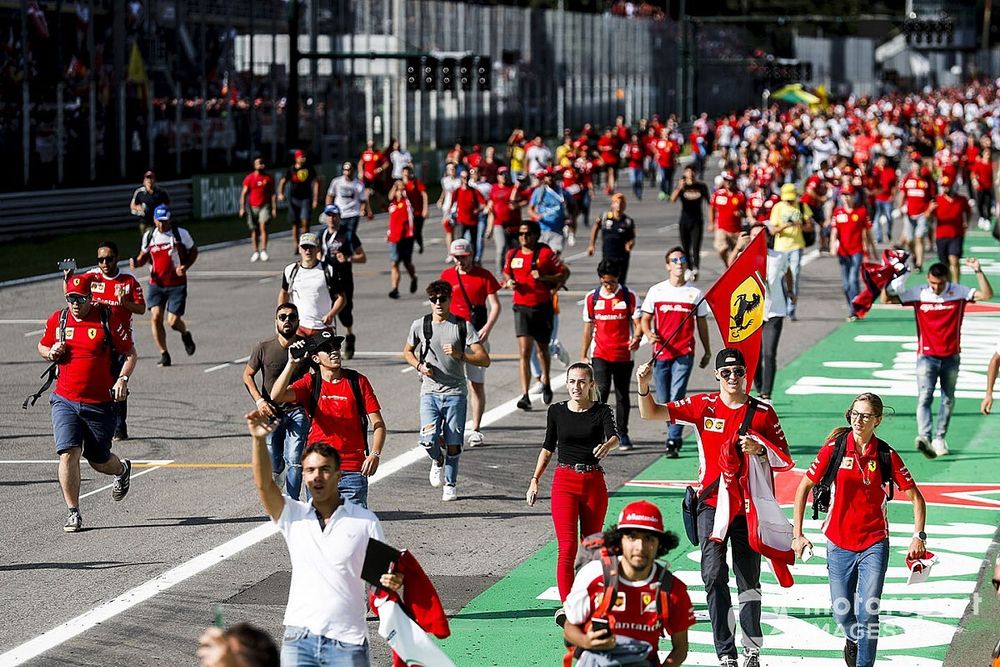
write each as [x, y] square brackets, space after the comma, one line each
[465, 293]
[428, 330]
[61, 334]
[317, 386]
[354, 378]
[752, 404]
[885, 466]
[463, 333]
[147, 238]
[663, 594]
[609, 567]
[105, 314]
[331, 280]
[839, 449]
[593, 302]
[291, 276]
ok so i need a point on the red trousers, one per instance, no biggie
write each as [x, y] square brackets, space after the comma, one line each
[579, 503]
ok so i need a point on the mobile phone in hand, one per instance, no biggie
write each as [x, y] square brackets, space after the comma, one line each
[599, 624]
[67, 265]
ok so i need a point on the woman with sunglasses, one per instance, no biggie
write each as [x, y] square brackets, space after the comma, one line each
[584, 432]
[857, 525]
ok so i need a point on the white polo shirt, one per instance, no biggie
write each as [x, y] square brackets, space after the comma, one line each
[327, 594]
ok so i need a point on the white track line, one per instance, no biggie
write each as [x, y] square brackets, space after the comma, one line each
[195, 566]
[138, 474]
[217, 368]
[34, 333]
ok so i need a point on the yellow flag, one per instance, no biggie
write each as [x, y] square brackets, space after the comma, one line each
[136, 66]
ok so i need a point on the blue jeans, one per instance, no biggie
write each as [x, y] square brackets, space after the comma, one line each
[850, 272]
[442, 422]
[929, 371]
[481, 237]
[350, 225]
[285, 444]
[795, 264]
[883, 221]
[671, 378]
[300, 648]
[354, 487]
[637, 176]
[856, 579]
[666, 179]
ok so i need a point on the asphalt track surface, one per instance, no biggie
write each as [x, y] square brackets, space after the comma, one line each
[147, 575]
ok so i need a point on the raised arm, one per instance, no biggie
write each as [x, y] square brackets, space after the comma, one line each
[263, 478]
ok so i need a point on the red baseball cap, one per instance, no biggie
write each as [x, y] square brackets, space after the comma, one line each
[299, 153]
[641, 515]
[79, 284]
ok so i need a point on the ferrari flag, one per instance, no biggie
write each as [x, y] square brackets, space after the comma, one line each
[737, 301]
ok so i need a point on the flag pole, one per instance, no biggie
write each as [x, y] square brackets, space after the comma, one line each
[658, 347]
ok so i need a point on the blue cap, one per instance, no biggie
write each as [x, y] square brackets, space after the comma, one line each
[331, 209]
[161, 213]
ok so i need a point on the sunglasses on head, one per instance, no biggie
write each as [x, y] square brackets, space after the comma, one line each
[107, 258]
[439, 298]
[285, 317]
[77, 299]
[737, 372]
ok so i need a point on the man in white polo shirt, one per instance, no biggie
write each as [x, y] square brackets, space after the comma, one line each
[327, 539]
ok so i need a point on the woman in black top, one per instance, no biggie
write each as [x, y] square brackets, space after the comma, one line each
[694, 195]
[584, 432]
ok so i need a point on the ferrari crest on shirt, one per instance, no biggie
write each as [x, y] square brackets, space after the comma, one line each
[648, 603]
[872, 465]
[92, 333]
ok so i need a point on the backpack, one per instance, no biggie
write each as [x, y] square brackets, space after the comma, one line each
[353, 378]
[332, 284]
[534, 258]
[52, 371]
[629, 301]
[822, 490]
[428, 330]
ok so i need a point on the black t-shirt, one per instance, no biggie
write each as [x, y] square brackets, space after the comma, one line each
[270, 357]
[577, 433]
[340, 241]
[615, 233]
[301, 181]
[150, 199]
[692, 197]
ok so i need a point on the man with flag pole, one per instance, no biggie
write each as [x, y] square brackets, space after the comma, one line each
[740, 445]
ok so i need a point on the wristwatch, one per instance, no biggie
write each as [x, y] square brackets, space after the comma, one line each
[123, 377]
[920, 535]
[377, 455]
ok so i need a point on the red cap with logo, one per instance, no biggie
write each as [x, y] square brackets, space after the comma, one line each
[299, 154]
[641, 515]
[79, 284]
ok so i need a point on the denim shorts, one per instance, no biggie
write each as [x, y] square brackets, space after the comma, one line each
[174, 298]
[87, 425]
[402, 251]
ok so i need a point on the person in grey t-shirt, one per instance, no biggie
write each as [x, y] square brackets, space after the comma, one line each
[443, 393]
[350, 196]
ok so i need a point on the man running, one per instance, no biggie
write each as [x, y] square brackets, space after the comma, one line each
[146, 198]
[693, 195]
[171, 252]
[341, 252]
[313, 288]
[303, 196]
[258, 193]
[350, 196]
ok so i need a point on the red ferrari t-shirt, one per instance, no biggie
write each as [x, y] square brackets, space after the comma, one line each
[505, 213]
[666, 153]
[479, 283]
[370, 161]
[467, 204]
[613, 318]
[636, 153]
[951, 216]
[918, 195]
[85, 367]
[885, 180]
[414, 190]
[851, 226]
[983, 171]
[400, 221]
[857, 518]
[634, 609]
[113, 292]
[728, 210]
[260, 188]
[717, 426]
[527, 290]
[939, 317]
[337, 421]
[608, 147]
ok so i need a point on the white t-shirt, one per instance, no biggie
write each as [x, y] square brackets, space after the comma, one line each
[347, 195]
[327, 594]
[537, 157]
[309, 293]
[777, 264]
[448, 186]
[399, 160]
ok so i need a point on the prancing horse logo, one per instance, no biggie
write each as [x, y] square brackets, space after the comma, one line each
[746, 310]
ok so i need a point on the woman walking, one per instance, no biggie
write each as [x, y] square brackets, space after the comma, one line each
[584, 432]
[863, 471]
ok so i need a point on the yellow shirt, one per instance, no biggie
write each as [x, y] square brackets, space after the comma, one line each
[787, 213]
[517, 158]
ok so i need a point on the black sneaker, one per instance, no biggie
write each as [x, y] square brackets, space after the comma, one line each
[672, 453]
[546, 394]
[560, 617]
[850, 653]
[120, 434]
[751, 657]
[164, 360]
[349, 346]
[394, 294]
[413, 285]
[119, 488]
[524, 403]
[188, 342]
[74, 522]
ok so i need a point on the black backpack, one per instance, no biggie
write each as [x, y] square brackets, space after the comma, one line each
[329, 273]
[821, 492]
[353, 378]
[428, 330]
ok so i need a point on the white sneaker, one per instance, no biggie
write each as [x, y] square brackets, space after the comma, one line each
[255, 256]
[940, 446]
[435, 474]
[688, 275]
[449, 493]
[263, 256]
[476, 438]
[924, 447]
[571, 239]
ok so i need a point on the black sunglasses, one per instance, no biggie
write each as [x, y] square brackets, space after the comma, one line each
[735, 372]
[77, 299]
[108, 258]
[525, 233]
[284, 317]
[439, 298]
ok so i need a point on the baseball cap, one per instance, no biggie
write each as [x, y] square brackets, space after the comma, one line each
[79, 284]
[641, 515]
[346, 165]
[788, 192]
[309, 239]
[149, 174]
[161, 212]
[503, 170]
[729, 356]
[728, 177]
[331, 209]
[460, 247]
[299, 153]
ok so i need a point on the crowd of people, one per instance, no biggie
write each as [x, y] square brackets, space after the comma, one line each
[838, 179]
